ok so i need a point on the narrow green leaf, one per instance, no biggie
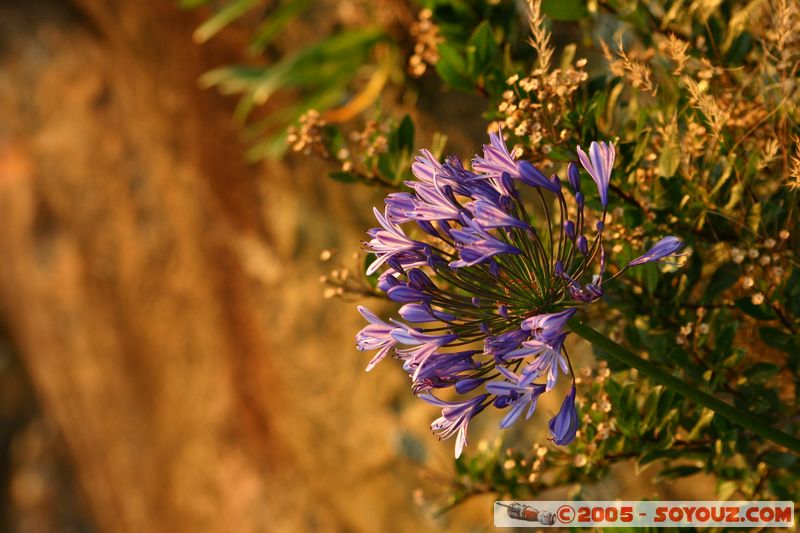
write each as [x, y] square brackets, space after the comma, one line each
[276, 22]
[702, 423]
[742, 418]
[222, 18]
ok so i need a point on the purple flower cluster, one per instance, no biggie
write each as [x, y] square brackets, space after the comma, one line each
[486, 290]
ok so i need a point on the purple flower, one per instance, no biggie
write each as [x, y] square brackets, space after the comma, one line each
[425, 167]
[574, 176]
[388, 242]
[530, 175]
[564, 425]
[497, 162]
[423, 312]
[501, 345]
[488, 215]
[397, 205]
[404, 293]
[375, 336]
[591, 291]
[455, 418]
[548, 358]
[478, 245]
[583, 246]
[663, 248]
[447, 370]
[599, 164]
[569, 229]
[463, 256]
[496, 158]
[548, 326]
[520, 393]
[388, 279]
[415, 358]
[433, 201]
[587, 293]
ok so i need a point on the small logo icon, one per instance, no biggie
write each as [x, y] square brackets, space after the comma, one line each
[566, 514]
[529, 514]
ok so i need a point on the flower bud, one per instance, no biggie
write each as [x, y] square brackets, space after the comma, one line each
[556, 181]
[469, 384]
[569, 229]
[574, 177]
[583, 246]
[530, 175]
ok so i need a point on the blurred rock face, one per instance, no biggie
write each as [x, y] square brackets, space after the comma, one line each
[165, 298]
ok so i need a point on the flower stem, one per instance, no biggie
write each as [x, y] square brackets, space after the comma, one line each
[733, 414]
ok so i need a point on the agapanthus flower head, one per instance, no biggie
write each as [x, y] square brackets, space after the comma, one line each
[488, 284]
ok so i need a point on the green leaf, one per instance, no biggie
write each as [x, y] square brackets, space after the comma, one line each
[761, 372]
[452, 68]
[702, 422]
[739, 48]
[791, 292]
[614, 391]
[344, 177]
[222, 18]
[778, 339]
[650, 408]
[677, 472]
[482, 49]
[724, 277]
[779, 459]
[748, 420]
[650, 277]
[191, 4]
[723, 337]
[661, 451]
[276, 22]
[567, 10]
[326, 65]
[461, 466]
[669, 160]
[761, 312]
[372, 279]
[388, 166]
[405, 135]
